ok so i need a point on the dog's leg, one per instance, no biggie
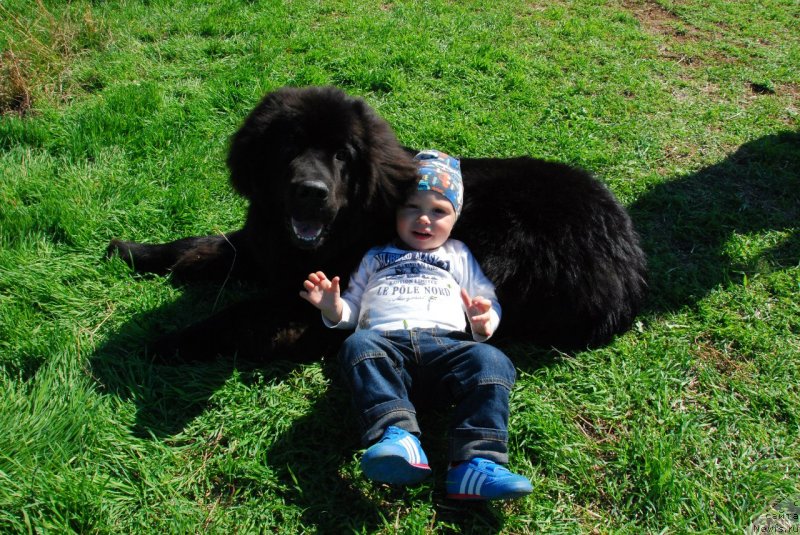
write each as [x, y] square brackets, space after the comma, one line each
[194, 258]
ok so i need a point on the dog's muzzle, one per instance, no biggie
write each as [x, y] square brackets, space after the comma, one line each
[308, 219]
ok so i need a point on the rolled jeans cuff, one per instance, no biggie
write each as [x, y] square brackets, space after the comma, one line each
[399, 413]
[468, 443]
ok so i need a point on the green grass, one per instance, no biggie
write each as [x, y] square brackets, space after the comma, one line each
[115, 123]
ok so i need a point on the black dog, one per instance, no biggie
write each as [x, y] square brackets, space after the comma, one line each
[323, 175]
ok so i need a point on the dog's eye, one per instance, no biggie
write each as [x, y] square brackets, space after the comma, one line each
[342, 155]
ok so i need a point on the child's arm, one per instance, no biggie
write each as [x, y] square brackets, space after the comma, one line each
[483, 311]
[325, 295]
[478, 313]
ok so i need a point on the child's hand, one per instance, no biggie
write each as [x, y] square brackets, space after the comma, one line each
[478, 313]
[324, 294]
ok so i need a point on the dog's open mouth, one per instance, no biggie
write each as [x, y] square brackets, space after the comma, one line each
[308, 233]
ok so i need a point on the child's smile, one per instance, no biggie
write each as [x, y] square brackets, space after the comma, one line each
[425, 221]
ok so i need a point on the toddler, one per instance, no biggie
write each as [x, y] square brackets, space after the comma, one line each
[410, 302]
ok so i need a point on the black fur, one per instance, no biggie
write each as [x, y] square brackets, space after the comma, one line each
[323, 174]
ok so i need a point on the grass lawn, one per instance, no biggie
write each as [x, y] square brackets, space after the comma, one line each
[115, 122]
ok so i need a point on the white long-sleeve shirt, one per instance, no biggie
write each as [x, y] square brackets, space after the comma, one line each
[396, 289]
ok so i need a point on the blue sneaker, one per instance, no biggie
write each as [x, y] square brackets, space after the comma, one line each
[396, 458]
[482, 479]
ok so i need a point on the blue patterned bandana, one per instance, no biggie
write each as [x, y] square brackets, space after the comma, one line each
[441, 173]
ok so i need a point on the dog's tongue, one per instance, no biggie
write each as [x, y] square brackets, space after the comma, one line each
[307, 230]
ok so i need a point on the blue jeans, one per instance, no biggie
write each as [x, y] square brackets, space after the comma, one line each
[384, 368]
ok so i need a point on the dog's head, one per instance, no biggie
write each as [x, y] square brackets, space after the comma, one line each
[312, 156]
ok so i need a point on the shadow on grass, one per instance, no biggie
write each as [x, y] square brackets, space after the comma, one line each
[686, 225]
[166, 396]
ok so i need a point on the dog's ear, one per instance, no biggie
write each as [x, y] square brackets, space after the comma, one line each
[250, 156]
[240, 162]
[391, 167]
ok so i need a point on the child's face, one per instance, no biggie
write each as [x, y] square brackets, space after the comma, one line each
[425, 220]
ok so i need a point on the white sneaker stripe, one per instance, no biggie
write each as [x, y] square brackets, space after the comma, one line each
[404, 443]
[468, 481]
[479, 484]
[411, 449]
[463, 488]
[474, 484]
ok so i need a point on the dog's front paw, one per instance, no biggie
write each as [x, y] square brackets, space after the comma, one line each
[119, 248]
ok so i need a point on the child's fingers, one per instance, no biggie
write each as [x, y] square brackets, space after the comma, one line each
[320, 280]
[335, 285]
[480, 305]
[308, 285]
[481, 301]
[466, 299]
[475, 306]
[480, 318]
[481, 324]
[317, 277]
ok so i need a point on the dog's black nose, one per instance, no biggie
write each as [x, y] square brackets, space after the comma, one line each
[312, 190]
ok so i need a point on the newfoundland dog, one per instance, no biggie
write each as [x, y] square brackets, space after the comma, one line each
[323, 173]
